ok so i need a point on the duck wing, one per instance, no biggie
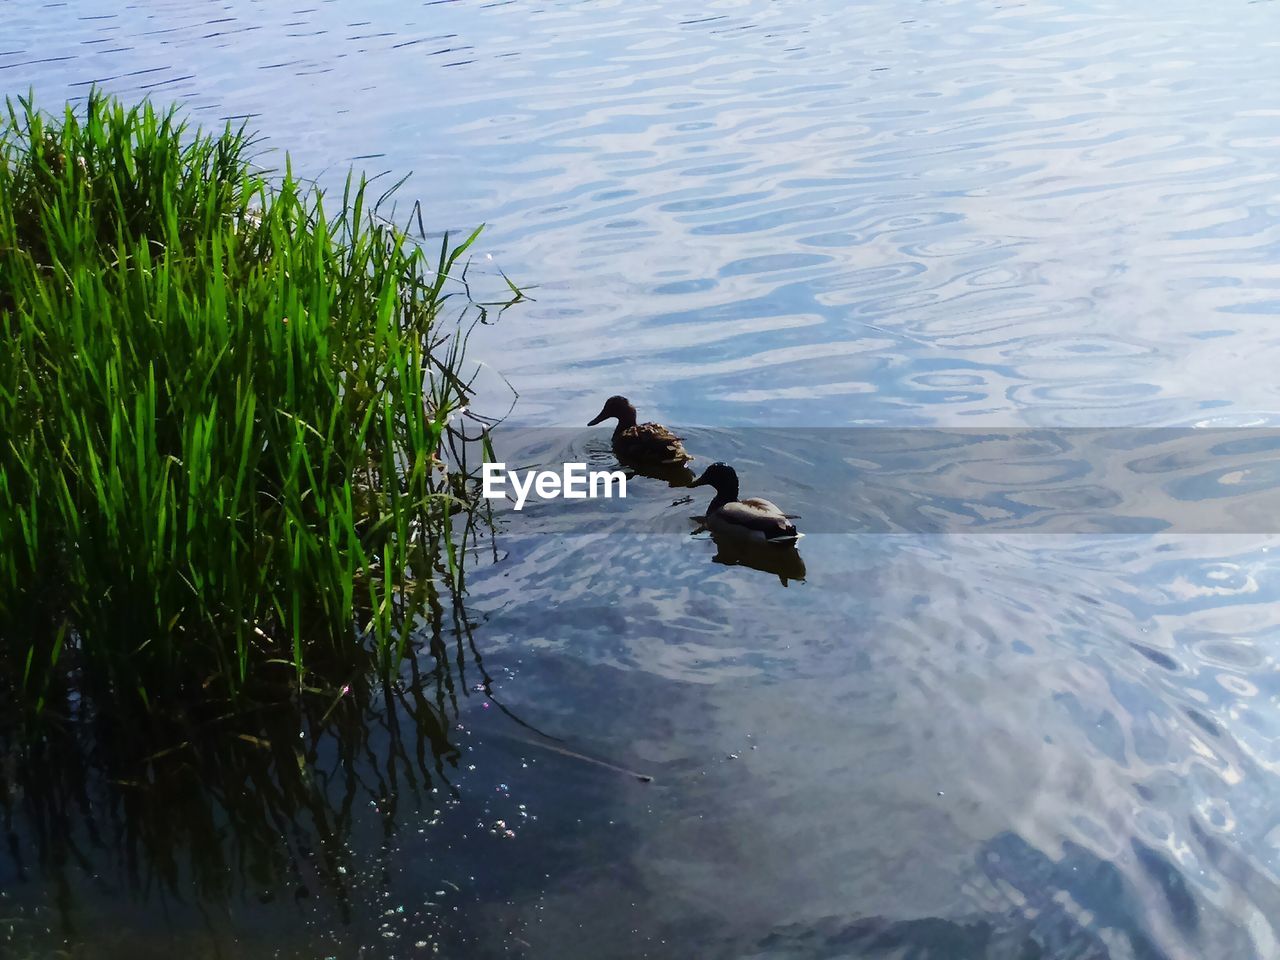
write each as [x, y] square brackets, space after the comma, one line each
[759, 516]
[651, 442]
[768, 506]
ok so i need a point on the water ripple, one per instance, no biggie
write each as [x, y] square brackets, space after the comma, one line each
[901, 213]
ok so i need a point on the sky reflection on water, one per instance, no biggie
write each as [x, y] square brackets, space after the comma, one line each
[900, 214]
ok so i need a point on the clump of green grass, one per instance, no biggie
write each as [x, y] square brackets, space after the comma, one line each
[222, 409]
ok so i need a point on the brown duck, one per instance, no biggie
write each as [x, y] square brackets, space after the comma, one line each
[640, 443]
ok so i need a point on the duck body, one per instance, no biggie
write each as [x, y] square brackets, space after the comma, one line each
[641, 443]
[753, 519]
[649, 443]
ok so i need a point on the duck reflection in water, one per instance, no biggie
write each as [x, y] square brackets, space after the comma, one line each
[782, 561]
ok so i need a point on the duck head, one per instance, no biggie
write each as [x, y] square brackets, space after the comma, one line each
[619, 407]
[722, 478]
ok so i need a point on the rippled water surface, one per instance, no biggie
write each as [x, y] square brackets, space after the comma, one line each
[892, 214]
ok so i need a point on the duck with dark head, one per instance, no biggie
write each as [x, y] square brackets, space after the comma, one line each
[752, 519]
[645, 446]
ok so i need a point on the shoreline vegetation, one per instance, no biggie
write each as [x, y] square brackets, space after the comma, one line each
[230, 411]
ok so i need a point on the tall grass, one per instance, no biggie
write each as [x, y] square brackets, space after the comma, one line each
[222, 408]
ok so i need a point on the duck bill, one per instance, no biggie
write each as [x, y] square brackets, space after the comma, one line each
[600, 416]
[700, 482]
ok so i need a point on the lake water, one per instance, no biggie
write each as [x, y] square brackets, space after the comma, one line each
[877, 216]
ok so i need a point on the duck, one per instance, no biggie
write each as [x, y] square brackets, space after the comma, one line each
[754, 519]
[640, 443]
